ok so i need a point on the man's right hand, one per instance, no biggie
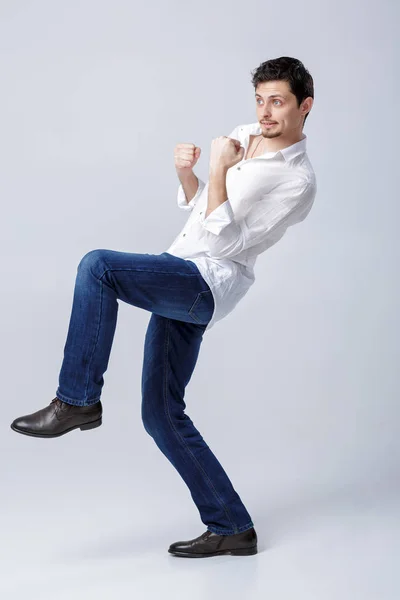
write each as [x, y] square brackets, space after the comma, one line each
[186, 156]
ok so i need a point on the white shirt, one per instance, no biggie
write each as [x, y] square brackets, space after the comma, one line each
[266, 195]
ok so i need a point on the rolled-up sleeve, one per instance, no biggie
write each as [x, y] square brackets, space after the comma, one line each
[280, 207]
[182, 200]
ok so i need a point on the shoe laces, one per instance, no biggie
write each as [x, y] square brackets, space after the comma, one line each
[57, 404]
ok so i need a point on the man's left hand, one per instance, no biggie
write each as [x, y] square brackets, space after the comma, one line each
[225, 152]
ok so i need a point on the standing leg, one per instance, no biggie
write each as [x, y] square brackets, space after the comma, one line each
[170, 355]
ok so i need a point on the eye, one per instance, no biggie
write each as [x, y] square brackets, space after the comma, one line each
[280, 102]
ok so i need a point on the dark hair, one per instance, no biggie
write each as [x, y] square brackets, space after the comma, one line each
[287, 69]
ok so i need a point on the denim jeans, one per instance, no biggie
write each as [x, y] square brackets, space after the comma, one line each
[181, 305]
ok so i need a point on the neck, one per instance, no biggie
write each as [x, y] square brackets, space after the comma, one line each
[278, 143]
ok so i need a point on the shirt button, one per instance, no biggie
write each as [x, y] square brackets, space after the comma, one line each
[238, 168]
[201, 213]
[184, 234]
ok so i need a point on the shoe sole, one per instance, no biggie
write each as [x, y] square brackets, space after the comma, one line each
[233, 552]
[83, 427]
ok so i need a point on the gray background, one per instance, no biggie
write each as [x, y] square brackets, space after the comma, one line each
[295, 391]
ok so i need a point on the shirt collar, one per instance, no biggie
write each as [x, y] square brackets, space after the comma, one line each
[288, 153]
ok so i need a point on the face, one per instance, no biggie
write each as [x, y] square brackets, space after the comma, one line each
[281, 109]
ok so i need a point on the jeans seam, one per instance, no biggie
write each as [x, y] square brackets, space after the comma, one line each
[76, 402]
[151, 271]
[191, 309]
[97, 336]
[240, 529]
[185, 446]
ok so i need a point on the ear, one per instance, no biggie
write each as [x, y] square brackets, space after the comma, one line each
[307, 104]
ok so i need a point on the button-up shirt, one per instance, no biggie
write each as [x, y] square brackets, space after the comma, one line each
[266, 195]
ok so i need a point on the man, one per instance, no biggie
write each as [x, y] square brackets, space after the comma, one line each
[260, 183]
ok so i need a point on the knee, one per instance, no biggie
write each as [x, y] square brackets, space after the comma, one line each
[148, 421]
[92, 259]
[153, 420]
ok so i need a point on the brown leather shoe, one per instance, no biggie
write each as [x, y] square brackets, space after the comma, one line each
[59, 418]
[212, 544]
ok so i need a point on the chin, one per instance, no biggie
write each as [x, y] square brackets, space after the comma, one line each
[271, 134]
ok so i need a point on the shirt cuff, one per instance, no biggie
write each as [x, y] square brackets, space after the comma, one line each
[181, 198]
[219, 218]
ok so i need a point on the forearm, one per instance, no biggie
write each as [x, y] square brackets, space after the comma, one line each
[189, 182]
[217, 193]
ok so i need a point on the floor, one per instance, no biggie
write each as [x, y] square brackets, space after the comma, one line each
[72, 530]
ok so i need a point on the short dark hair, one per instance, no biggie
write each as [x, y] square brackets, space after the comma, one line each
[288, 69]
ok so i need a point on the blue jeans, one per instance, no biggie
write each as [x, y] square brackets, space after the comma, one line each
[182, 304]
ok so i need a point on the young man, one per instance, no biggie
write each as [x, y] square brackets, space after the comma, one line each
[260, 183]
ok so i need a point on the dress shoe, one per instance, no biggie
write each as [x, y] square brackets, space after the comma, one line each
[58, 418]
[212, 544]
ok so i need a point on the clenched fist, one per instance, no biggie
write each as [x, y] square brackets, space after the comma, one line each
[225, 152]
[186, 156]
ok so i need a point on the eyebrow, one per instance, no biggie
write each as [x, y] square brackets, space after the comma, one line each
[273, 96]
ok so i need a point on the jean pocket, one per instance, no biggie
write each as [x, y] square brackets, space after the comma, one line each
[202, 308]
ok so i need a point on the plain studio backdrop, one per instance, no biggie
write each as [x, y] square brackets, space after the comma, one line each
[296, 391]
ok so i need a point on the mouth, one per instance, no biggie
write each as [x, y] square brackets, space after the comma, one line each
[266, 124]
